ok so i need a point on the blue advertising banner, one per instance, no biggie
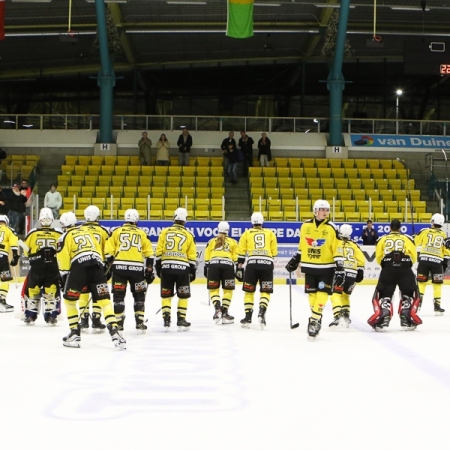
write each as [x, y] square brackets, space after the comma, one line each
[396, 141]
[286, 232]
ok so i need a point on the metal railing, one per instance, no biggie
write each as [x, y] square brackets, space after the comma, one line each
[221, 123]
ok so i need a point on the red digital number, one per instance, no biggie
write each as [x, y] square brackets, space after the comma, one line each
[445, 69]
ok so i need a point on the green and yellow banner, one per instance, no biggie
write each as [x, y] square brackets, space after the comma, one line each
[240, 19]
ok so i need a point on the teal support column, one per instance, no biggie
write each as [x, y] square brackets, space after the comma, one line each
[106, 78]
[335, 81]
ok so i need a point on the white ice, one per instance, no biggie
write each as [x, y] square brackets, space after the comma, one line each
[222, 386]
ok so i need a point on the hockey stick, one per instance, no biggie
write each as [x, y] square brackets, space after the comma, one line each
[290, 302]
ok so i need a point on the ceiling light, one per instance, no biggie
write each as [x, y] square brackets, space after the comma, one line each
[31, 1]
[109, 1]
[409, 8]
[267, 4]
[186, 3]
[9, 121]
[330, 5]
[27, 126]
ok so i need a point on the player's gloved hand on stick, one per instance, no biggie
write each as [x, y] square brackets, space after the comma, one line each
[149, 275]
[158, 268]
[239, 273]
[192, 272]
[360, 275]
[293, 263]
[15, 259]
[205, 270]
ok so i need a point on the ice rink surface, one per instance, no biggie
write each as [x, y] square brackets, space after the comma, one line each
[223, 387]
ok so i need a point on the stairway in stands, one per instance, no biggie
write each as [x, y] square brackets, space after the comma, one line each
[237, 206]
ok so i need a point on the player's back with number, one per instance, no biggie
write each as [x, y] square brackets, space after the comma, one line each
[258, 243]
[176, 245]
[396, 243]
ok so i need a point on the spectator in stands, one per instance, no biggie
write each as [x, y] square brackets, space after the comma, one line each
[28, 192]
[145, 145]
[3, 202]
[16, 207]
[184, 144]
[369, 234]
[53, 200]
[264, 154]
[162, 151]
[228, 146]
[246, 146]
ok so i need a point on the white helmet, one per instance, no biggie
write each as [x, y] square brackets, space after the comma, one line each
[320, 204]
[46, 217]
[4, 218]
[180, 214]
[131, 215]
[68, 219]
[224, 227]
[437, 219]
[257, 218]
[346, 231]
[92, 213]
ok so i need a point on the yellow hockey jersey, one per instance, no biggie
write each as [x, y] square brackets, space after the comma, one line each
[227, 251]
[430, 245]
[129, 245]
[258, 243]
[42, 245]
[78, 246]
[351, 255]
[99, 232]
[317, 245]
[395, 249]
[8, 240]
[176, 245]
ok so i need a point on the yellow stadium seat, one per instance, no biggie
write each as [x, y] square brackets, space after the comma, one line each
[337, 216]
[348, 163]
[291, 216]
[216, 161]
[96, 160]
[121, 170]
[283, 172]
[73, 190]
[87, 191]
[201, 214]
[98, 201]
[341, 183]
[361, 163]
[377, 173]
[314, 183]
[386, 164]
[101, 191]
[216, 214]
[289, 204]
[297, 172]
[107, 169]
[397, 215]
[424, 217]
[381, 217]
[118, 180]
[352, 216]
[335, 163]
[156, 214]
[295, 162]
[84, 160]
[116, 191]
[281, 162]
[71, 160]
[63, 180]
[351, 173]
[273, 204]
[310, 172]
[355, 183]
[276, 215]
[202, 203]
[304, 215]
[308, 162]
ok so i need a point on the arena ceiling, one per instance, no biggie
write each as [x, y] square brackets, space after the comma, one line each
[163, 36]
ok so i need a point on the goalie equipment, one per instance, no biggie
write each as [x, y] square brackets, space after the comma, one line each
[50, 303]
[293, 263]
[131, 215]
[92, 213]
[383, 311]
[4, 307]
[73, 339]
[437, 220]
[45, 217]
[224, 227]
[257, 218]
[407, 310]
[346, 231]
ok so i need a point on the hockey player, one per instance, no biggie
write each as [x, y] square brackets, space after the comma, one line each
[433, 259]
[259, 246]
[80, 257]
[396, 253]
[101, 234]
[353, 260]
[316, 250]
[130, 255]
[220, 258]
[176, 257]
[40, 246]
[8, 241]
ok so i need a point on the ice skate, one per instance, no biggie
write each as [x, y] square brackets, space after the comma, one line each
[313, 328]
[73, 339]
[226, 318]
[383, 324]
[338, 322]
[182, 324]
[438, 311]
[218, 312]
[406, 324]
[117, 338]
[29, 320]
[51, 321]
[120, 322]
[84, 322]
[166, 318]
[140, 326]
[262, 317]
[4, 307]
[346, 319]
[247, 320]
[97, 325]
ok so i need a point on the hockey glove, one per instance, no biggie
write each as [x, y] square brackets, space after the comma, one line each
[15, 259]
[110, 259]
[108, 272]
[447, 243]
[192, 272]
[239, 273]
[339, 279]
[158, 268]
[293, 263]
[360, 275]
[205, 270]
[445, 264]
[149, 276]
